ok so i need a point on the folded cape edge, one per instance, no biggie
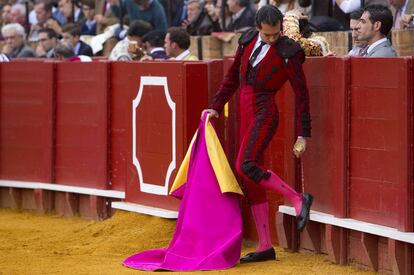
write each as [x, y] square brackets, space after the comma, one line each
[225, 177]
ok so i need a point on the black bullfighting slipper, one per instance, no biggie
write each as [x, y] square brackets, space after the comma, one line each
[262, 256]
[303, 217]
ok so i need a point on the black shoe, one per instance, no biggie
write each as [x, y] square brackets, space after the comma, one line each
[266, 255]
[303, 218]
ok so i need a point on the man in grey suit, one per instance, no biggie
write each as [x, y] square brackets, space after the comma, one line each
[373, 27]
[15, 46]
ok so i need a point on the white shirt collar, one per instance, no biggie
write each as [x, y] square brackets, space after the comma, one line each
[157, 49]
[262, 53]
[183, 55]
[373, 45]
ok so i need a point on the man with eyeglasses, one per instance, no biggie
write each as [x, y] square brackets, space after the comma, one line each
[15, 47]
[46, 43]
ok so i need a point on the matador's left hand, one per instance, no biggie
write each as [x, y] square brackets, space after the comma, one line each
[299, 147]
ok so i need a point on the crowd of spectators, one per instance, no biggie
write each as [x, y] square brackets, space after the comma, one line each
[146, 28]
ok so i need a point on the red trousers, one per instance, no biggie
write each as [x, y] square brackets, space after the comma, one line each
[259, 119]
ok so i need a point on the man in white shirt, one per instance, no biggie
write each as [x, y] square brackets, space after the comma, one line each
[176, 44]
[374, 26]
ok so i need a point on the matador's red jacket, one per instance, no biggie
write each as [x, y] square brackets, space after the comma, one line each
[282, 62]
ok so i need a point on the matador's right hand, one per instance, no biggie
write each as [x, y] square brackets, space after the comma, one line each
[211, 112]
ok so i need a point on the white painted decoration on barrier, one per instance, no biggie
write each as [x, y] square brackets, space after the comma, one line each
[145, 186]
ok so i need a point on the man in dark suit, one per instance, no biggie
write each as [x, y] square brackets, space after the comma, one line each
[242, 15]
[15, 46]
[154, 44]
[89, 24]
[71, 36]
[199, 21]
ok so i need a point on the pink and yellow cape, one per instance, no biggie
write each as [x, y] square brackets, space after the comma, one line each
[208, 235]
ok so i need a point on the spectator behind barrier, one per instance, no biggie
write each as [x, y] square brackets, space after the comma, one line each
[374, 27]
[46, 43]
[15, 46]
[71, 35]
[154, 44]
[176, 44]
[150, 11]
[6, 14]
[242, 15]
[66, 6]
[89, 24]
[198, 21]
[130, 47]
[18, 15]
[358, 46]
[179, 13]
[403, 17]
[43, 11]
[64, 51]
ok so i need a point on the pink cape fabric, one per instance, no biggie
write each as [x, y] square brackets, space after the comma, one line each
[208, 234]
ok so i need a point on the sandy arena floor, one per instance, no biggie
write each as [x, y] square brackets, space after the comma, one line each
[51, 244]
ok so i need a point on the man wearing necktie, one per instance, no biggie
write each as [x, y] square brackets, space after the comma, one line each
[264, 61]
[374, 27]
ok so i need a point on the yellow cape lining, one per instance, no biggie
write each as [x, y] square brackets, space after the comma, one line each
[225, 177]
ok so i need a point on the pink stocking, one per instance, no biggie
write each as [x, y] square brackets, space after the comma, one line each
[277, 184]
[261, 218]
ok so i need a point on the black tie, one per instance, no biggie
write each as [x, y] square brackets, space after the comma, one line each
[256, 53]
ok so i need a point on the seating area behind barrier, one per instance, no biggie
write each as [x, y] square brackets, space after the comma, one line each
[76, 137]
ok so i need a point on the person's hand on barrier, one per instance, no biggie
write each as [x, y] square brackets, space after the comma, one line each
[300, 146]
[136, 50]
[211, 112]
[406, 20]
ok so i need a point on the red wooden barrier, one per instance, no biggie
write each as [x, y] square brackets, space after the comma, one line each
[26, 130]
[359, 162]
[82, 135]
[215, 77]
[380, 148]
[325, 162]
[82, 124]
[26, 121]
[161, 103]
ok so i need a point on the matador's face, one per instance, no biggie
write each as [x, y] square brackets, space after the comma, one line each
[270, 34]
